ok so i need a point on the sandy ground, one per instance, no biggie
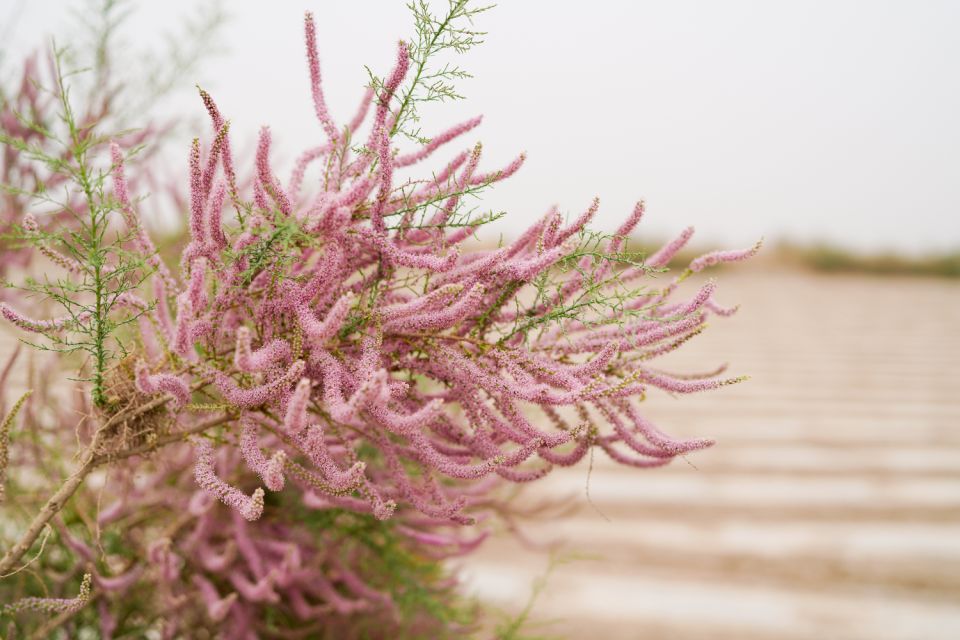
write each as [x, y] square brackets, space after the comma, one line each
[829, 509]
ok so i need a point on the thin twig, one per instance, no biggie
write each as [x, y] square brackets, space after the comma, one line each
[90, 461]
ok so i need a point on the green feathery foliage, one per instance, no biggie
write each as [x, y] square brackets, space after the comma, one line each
[429, 81]
[97, 268]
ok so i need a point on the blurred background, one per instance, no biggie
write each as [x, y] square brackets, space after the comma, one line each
[831, 505]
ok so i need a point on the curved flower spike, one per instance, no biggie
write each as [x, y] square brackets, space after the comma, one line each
[319, 331]
[159, 382]
[32, 228]
[217, 607]
[260, 591]
[267, 181]
[437, 141]
[313, 63]
[165, 559]
[380, 139]
[255, 396]
[53, 605]
[667, 251]
[577, 225]
[250, 507]
[197, 289]
[441, 319]
[250, 361]
[216, 238]
[226, 157]
[40, 326]
[499, 174]
[119, 583]
[184, 328]
[295, 419]
[717, 257]
[440, 296]
[271, 471]
[316, 448]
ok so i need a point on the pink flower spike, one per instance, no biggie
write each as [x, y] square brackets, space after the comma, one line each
[141, 238]
[440, 296]
[270, 471]
[260, 591]
[161, 382]
[217, 607]
[659, 439]
[502, 174]
[598, 364]
[215, 235]
[392, 82]
[295, 419]
[314, 444]
[32, 229]
[265, 177]
[628, 225]
[197, 290]
[196, 196]
[41, 326]
[300, 169]
[255, 396]
[437, 264]
[721, 311]
[119, 583]
[580, 223]
[246, 360]
[380, 138]
[313, 63]
[666, 252]
[362, 110]
[717, 257]
[639, 462]
[182, 341]
[680, 385]
[319, 332]
[213, 156]
[250, 507]
[698, 300]
[438, 320]
[226, 157]
[437, 141]
[53, 605]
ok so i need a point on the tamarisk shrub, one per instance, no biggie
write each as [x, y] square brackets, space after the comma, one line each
[373, 365]
[372, 384]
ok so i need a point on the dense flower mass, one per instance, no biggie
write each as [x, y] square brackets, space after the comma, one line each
[371, 361]
[355, 383]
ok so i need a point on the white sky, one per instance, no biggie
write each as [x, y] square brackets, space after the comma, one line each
[814, 119]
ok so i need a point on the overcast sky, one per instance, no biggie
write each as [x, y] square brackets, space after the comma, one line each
[833, 119]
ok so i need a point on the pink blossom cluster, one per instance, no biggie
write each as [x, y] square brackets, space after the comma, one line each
[371, 366]
[347, 320]
[218, 570]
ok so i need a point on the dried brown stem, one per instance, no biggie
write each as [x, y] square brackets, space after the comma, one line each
[90, 460]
